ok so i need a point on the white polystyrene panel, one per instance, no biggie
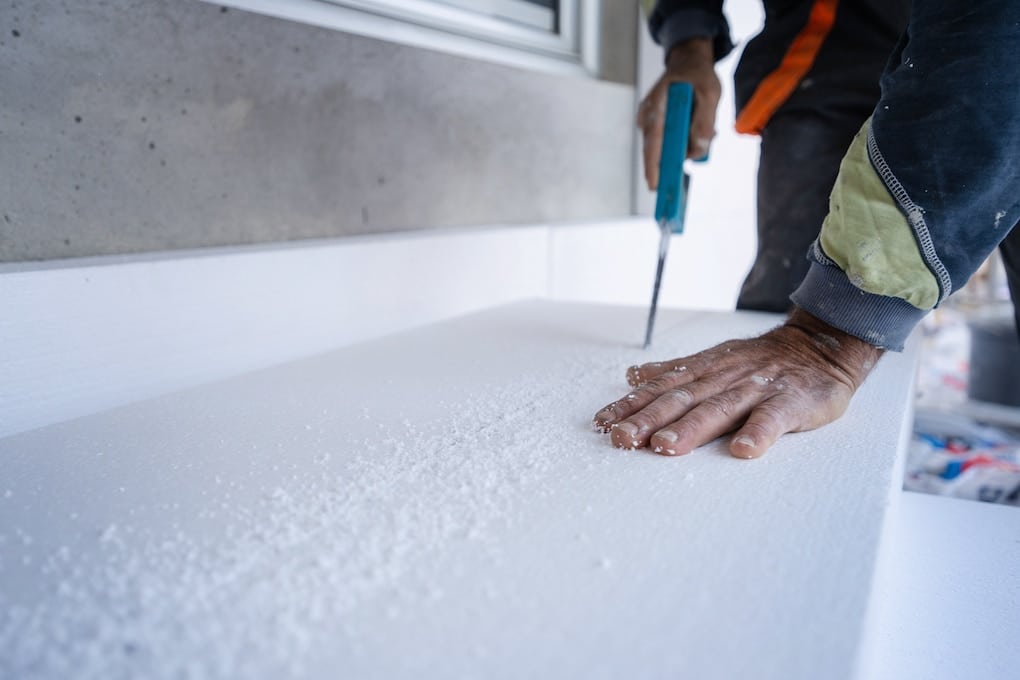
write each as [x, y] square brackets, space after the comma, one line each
[948, 595]
[435, 504]
[80, 336]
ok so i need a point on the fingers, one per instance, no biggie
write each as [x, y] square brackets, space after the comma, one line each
[699, 146]
[766, 423]
[676, 420]
[674, 415]
[651, 115]
[651, 120]
[635, 401]
[708, 420]
[702, 124]
[608, 417]
[637, 429]
[638, 375]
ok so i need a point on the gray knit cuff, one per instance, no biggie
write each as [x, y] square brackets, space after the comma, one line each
[885, 322]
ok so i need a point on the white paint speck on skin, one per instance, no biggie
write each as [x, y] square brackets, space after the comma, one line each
[628, 428]
[760, 380]
[827, 340]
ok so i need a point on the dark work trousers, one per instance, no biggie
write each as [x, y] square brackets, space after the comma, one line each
[805, 138]
[797, 166]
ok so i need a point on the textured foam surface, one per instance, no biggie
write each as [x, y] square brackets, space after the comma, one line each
[436, 504]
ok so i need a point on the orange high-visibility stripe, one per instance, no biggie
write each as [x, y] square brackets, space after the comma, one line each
[777, 86]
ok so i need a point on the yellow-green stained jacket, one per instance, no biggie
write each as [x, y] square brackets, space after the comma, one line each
[931, 184]
[867, 235]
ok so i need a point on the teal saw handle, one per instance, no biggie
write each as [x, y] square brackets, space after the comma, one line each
[671, 199]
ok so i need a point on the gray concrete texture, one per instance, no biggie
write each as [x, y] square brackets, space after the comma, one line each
[143, 125]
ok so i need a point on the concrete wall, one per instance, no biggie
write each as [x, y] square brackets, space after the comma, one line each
[140, 125]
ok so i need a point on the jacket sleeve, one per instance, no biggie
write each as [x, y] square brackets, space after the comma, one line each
[928, 187]
[674, 21]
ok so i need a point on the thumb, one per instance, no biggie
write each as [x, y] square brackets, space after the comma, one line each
[702, 130]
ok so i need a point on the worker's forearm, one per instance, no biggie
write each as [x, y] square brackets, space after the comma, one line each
[691, 51]
[929, 187]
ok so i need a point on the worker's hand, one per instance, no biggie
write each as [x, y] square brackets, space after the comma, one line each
[691, 61]
[796, 377]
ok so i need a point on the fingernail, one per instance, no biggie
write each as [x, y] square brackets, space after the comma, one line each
[748, 443]
[702, 144]
[667, 435]
[629, 429]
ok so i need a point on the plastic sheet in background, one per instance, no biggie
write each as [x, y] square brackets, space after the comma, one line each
[962, 458]
[960, 447]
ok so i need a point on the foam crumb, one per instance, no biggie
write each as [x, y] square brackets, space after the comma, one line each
[314, 548]
[308, 560]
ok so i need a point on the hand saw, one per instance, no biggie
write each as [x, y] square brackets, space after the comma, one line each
[674, 183]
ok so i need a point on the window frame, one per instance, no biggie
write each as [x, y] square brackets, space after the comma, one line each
[447, 28]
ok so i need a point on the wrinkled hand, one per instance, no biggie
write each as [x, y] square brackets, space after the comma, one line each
[693, 62]
[797, 377]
